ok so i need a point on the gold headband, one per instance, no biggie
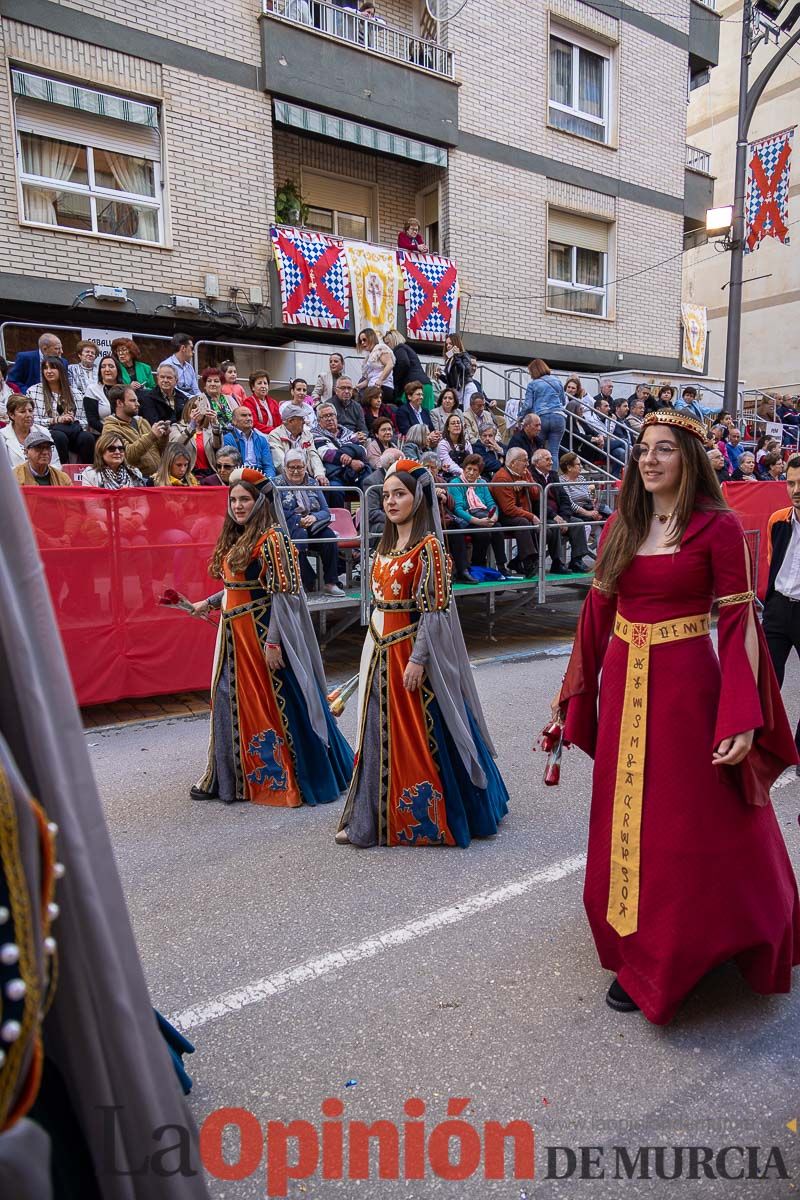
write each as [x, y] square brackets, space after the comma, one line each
[672, 416]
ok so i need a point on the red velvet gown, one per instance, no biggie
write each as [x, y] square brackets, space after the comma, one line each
[715, 880]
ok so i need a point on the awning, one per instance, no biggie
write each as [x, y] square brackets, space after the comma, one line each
[356, 134]
[68, 95]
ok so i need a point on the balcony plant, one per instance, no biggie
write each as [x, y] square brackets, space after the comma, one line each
[290, 207]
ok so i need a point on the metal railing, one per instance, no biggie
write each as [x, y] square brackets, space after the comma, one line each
[698, 160]
[347, 25]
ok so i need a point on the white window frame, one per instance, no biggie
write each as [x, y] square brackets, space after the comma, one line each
[573, 286]
[93, 193]
[578, 42]
[340, 212]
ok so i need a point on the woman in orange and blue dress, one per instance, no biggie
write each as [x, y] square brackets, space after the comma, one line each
[425, 772]
[273, 739]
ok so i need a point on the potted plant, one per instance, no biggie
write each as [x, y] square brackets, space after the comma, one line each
[290, 207]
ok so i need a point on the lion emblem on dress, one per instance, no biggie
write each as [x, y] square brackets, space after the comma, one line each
[267, 747]
[418, 818]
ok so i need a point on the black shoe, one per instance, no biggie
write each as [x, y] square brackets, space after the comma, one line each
[618, 999]
[465, 577]
[197, 793]
[237, 800]
[557, 567]
[578, 566]
[514, 567]
[529, 568]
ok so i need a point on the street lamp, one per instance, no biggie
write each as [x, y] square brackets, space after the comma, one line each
[761, 22]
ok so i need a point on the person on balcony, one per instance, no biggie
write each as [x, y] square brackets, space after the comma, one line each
[410, 238]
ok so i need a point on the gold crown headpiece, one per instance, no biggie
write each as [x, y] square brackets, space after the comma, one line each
[674, 416]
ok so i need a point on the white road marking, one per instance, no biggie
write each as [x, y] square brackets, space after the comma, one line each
[347, 956]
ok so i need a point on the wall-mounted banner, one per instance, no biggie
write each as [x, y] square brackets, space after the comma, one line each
[103, 338]
[373, 278]
[431, 291]
[695, 333]
[315, 288]
[766, 210]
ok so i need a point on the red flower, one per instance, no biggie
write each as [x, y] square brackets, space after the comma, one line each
[170, 596]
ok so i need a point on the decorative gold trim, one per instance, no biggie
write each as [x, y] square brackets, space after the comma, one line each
[672, 416]
[736, 598]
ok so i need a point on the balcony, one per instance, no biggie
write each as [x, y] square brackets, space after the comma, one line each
[703, 35]
[698, 160]
[698, 188]
[333, 58]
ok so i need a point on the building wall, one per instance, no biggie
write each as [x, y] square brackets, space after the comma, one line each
[770, 345]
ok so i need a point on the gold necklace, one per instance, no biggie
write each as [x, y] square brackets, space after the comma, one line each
[663, 517]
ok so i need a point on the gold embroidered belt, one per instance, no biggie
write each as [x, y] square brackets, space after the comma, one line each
[623, 894]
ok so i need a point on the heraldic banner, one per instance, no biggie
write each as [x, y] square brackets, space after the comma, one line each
[695, 332]
[431, 288]
[766, 210]
[373, 278]
[315, 287]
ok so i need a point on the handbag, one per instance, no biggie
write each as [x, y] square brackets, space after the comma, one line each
[321, 523]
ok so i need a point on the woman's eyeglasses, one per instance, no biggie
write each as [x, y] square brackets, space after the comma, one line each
[663, 451]
[115, 447]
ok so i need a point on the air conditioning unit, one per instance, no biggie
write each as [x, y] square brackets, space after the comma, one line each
[185, 304]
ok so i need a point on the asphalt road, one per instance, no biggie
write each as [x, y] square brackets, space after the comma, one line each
[488, 988]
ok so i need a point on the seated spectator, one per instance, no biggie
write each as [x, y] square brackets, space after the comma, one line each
[410, 237]
[407, 369]
[373, 405]
[665, 397]
[26, 369]
[642, 392]
[378, 365]
[19, 410]
[719, 464]
[456, 541]
[144, 443]
[264, 407]
[419, 441]
[457, 370]
[56, 408]
[516, 506]
[765, 407]
[175, 468]
[620, 428]
[254, 447]
[373, 485]
[308, 518]
[482, 414]
[166, 401]
[381, 439]
[83, 373]
[580, 493]
[200, 429]
[765, 445]
[787, 411]
[38, 449]
[746, 470]
[719, 440]
[773, 468]
[327, 380]
[574, 390]
[412, 411]
[691, 404]
[559, 515]
[292, 434]
[181, 361]
[110, 469]
[596, 442]
[228, 459]
[454, 447]
[342, 451]
[528, 436]
[636, 416]
[447, 404]
[606, 392]
[492, 451]
[618, 446]
[7, 390]
[231, 386]
[349, 412]
[475, 508]
[218, 401]
[546, 397]
[96, 403]
[135, 371]
[299, 395]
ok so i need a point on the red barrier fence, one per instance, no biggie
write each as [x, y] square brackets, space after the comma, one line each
[108, 557]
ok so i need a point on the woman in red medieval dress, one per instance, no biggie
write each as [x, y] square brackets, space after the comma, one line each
[687, 867]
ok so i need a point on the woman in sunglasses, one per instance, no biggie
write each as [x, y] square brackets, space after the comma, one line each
[110, 470]
[687, 867]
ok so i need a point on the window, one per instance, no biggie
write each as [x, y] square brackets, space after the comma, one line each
[338, 206]
[345, 225]
[577, 264]
[579, 88]
[82, 168]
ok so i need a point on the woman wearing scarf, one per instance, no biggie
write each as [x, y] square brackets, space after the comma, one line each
[273, 740]
[424, 774]
[110, 470]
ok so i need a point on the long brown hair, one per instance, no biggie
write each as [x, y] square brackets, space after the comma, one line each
[421, 524]
[236, 543]
[66, 399]
[699, 489]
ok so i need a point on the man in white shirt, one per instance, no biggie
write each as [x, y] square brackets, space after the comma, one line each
[181, 360]
[782, 604]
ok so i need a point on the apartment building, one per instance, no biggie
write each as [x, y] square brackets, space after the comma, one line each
[541, 144]
[770, 348]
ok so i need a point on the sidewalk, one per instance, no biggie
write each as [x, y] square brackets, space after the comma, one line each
[148, 708]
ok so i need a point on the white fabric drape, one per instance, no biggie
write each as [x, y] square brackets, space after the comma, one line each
[51, 160]
[132, 175]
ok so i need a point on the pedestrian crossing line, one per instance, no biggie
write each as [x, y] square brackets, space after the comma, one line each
[347, 956]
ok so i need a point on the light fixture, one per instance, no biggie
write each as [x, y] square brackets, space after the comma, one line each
[719, 220]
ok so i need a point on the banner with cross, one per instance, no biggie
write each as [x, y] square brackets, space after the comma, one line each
[767, 202]
[315, 284]
[431, 295]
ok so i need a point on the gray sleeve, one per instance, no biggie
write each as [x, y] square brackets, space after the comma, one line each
[421, 651]
[215, 601]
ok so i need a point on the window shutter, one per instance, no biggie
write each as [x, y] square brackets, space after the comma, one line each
[71, 125]
[430, 207]
[575, 230]
[339, 195]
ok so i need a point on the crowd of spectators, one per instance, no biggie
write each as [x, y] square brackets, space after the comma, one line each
[498, 470]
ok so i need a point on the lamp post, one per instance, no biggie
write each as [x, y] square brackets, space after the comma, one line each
[757, 26]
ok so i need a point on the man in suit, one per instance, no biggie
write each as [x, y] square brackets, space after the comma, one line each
[27, 368]
[412, 413]
[164, 402]
[560, 516]
[782, 603]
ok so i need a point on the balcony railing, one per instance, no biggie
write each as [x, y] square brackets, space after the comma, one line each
[708, 4]
[351, 27]
[698, 160]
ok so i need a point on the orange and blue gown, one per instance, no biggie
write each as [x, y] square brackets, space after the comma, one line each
[273, 739]
[424, 773]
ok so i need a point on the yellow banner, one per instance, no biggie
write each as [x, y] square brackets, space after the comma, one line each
[373, 280]
[695, 333]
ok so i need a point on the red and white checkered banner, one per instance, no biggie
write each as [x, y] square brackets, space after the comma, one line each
[431, 289]
[315, 284]
[766, 210]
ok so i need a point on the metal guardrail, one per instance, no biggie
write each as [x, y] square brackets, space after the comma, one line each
[698, 160]
[347, 25]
